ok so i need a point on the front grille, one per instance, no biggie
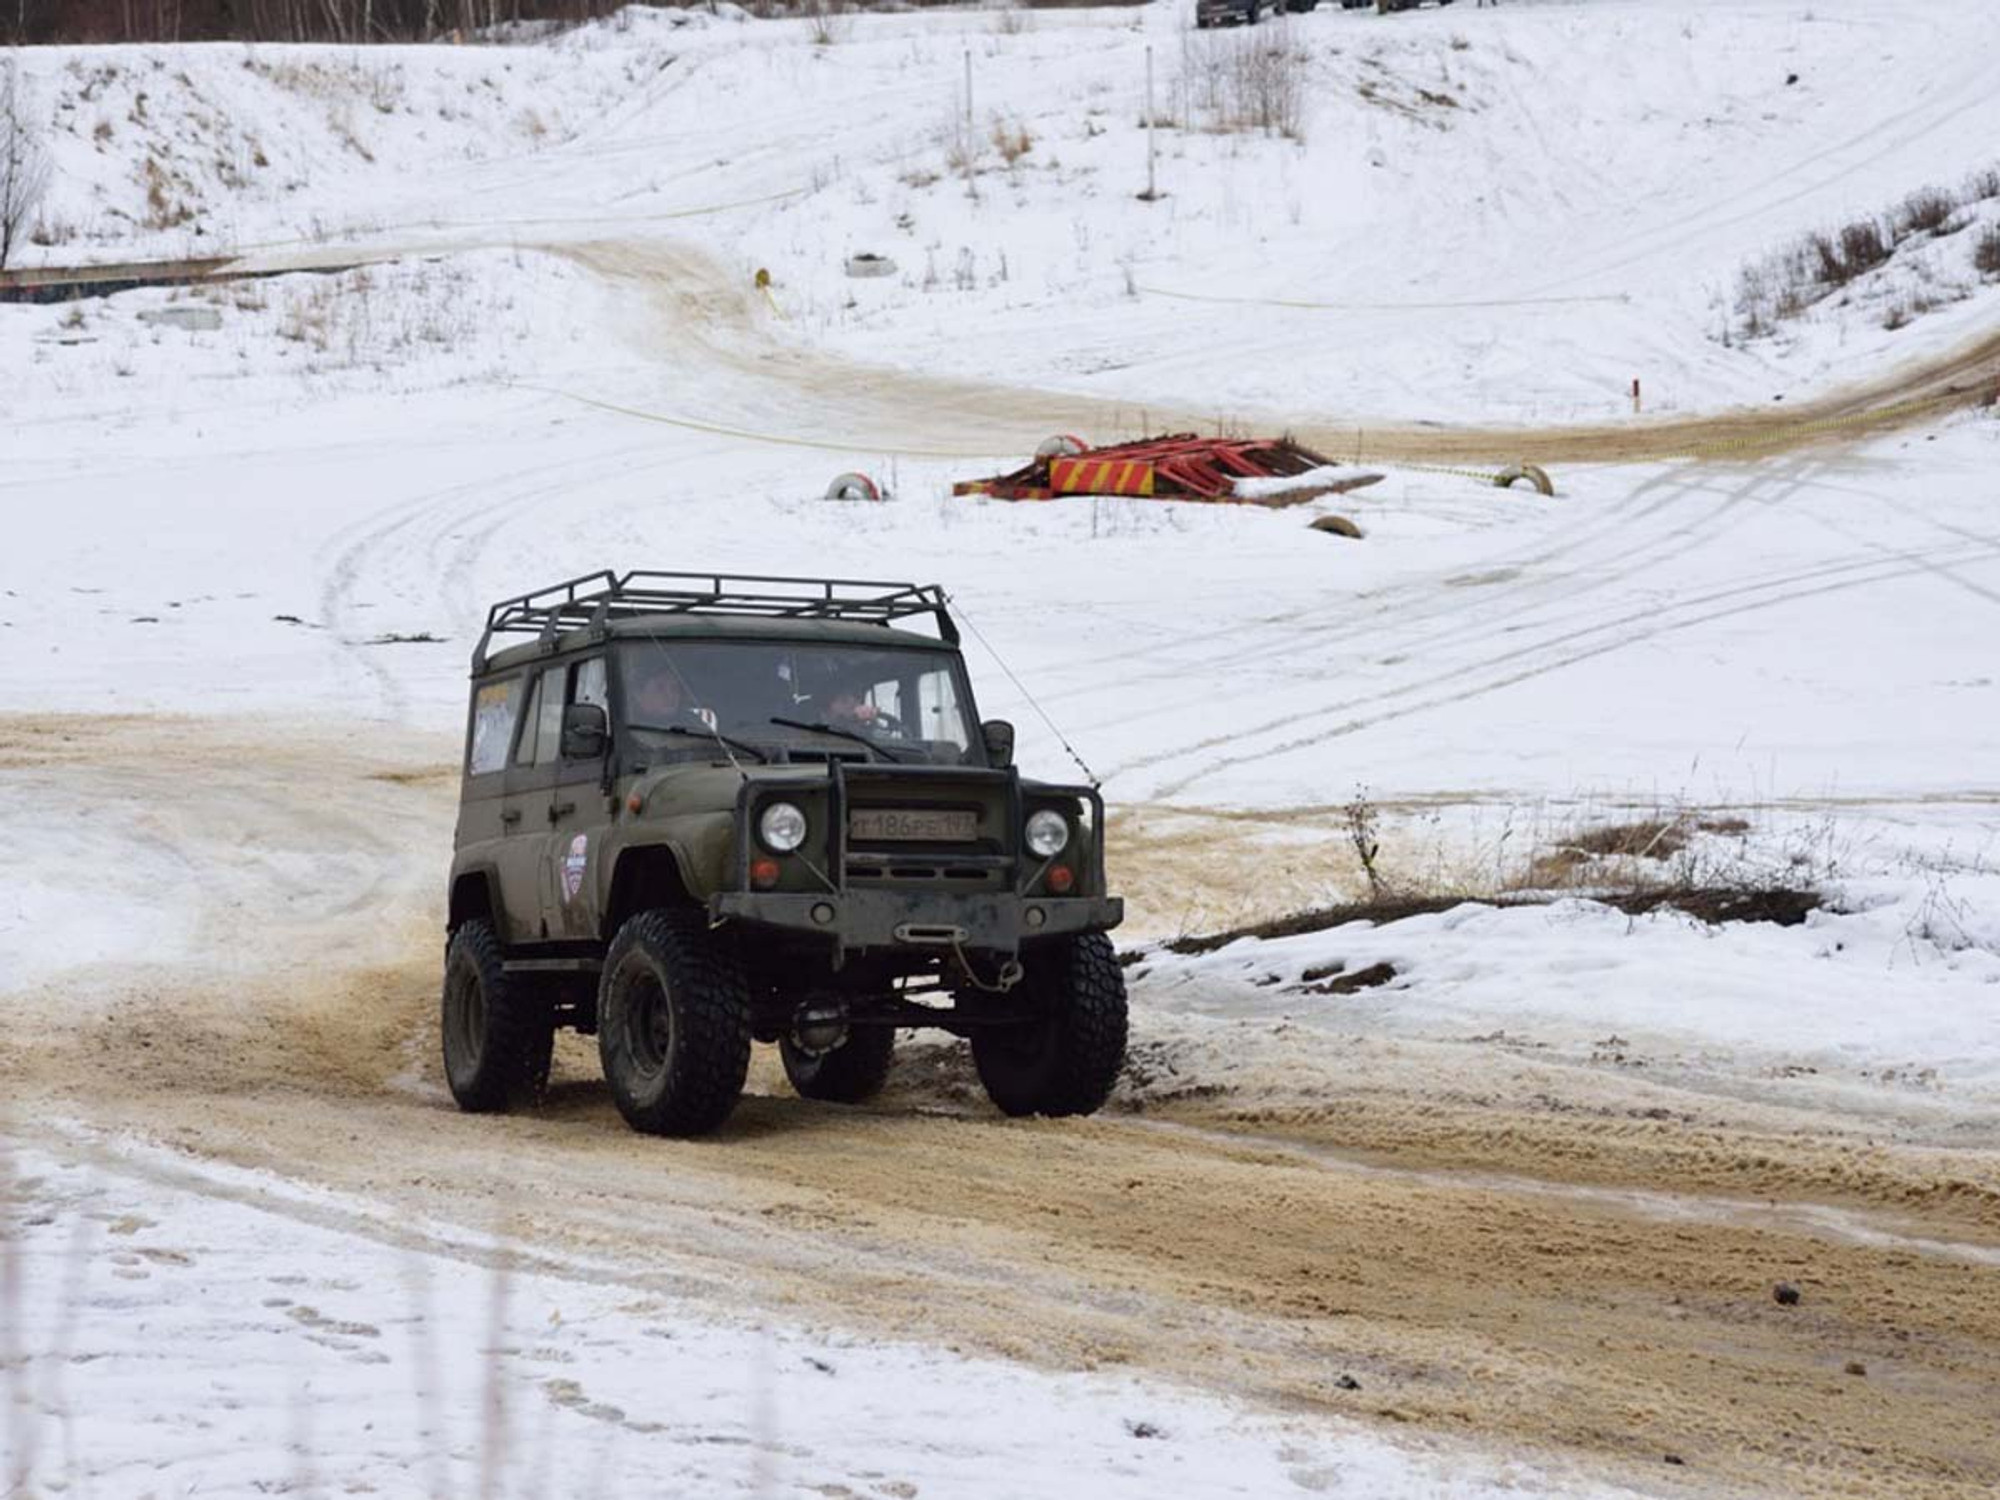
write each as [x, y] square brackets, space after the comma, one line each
[883, 869]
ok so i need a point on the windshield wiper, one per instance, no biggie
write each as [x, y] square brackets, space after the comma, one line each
[763, 757]
[843, 734]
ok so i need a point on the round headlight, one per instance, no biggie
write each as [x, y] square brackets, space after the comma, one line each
[1047, 833]
[782, 827]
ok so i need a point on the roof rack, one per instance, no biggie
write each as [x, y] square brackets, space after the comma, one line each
[595, 599]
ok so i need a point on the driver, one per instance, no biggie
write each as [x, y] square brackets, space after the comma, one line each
[849, 708]
[661, 702]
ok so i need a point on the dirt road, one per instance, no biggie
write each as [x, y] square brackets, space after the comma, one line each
[1459, 1242]
[698, 305]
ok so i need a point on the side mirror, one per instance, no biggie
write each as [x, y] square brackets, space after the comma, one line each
[585, 732]
[999, 736]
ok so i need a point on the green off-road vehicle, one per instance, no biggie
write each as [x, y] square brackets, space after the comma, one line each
[699, 811]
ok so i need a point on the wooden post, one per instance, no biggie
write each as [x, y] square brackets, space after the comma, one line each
[971, 190]
[1152, 185]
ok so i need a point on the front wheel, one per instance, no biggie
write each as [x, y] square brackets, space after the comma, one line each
[1065, 1062]
[497, 1030]
[673, 1025]
[848, 1074]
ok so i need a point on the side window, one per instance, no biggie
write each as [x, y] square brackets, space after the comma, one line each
[586, 685]
[888, 698]
[938, 713]
[493, 710]
[524, 752]
[549, 715]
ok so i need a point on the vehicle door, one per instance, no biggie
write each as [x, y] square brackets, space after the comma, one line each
[482, 808]
[530, 778]
[579, 812]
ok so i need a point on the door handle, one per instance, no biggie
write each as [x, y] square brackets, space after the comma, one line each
[561, 810]
[511, 815]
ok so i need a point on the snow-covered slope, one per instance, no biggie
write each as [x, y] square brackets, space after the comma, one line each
[1508, 215]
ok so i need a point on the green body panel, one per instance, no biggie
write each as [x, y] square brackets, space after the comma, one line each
[542, 844]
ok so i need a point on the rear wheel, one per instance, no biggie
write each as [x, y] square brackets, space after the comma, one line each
[673, 1025]
[848, 1074]
[1066, 1062]
[497, 1029]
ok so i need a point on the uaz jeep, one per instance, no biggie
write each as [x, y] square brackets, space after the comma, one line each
[698, 811]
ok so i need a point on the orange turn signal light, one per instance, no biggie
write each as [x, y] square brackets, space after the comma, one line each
[1061, 878]
[763, 873]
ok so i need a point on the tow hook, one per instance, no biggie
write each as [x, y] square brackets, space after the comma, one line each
[1009, 975]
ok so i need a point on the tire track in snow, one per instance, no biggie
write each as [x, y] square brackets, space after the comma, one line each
[1812, 583]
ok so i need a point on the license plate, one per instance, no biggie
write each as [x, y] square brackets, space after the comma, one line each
[912, 825]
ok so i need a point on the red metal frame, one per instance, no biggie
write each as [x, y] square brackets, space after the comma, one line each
[1179, 466]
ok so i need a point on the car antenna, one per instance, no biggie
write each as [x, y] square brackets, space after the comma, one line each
[979, 635]
[687, 688]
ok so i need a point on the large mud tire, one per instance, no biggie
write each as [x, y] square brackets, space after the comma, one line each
[1066, 1063]
[673, 1025]
[497, 1029]
[851, 1073]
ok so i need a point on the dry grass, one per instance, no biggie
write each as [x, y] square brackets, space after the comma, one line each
[1926, 211]
[1816, 266]
[1241, 81]
[1011, 139]
[167, 204]
[1986, 251]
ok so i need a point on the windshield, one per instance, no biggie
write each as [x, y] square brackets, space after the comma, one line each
[887, 702]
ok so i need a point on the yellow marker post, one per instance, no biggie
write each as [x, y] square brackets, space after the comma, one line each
[763, 280]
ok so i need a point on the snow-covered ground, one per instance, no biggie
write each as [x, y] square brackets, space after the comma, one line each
[552, 357]
[195, 1331]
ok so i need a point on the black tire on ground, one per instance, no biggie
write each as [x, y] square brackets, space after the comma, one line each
[673, 1024]
[1067, 1063]
[852, 1072]
[497, 1029]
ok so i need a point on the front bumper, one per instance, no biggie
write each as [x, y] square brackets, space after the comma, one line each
[913, 921]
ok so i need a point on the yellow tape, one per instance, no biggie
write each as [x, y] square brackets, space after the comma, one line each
[1775, 437]
[378, 253]
[746, 434]
[1156, 291]
[1786, 433]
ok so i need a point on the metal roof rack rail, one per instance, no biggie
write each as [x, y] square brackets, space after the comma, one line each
[594, 599]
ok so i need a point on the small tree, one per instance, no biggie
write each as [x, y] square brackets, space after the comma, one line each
[24, 161]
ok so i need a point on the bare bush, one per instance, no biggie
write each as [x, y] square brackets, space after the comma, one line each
[1243, 81]
[828, 22]
[24, 160]
[1983, 184]
[1986, 251]
[1786, 283]
[1926, 211]
[1864, 245]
